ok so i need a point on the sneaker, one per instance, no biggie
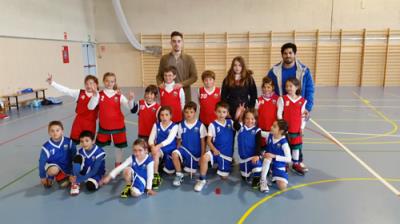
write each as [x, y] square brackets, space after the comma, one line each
[297, 169]
[305, 168]
[178, 180]
[3, 116]
[156, 181]
[126, 191]
[74, 189]
[199, 185]
[264, 186]
[255, 184]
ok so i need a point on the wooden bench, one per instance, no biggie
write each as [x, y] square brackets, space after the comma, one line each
[17, 102]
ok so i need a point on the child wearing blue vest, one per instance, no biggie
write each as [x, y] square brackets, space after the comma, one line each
[138, 171]
[276, 156]
[162, 142]
[249, 143]
[220, 140]
[56, 156]
[89, 164]
[191, 143]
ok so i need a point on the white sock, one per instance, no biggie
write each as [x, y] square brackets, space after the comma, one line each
[265, 167]
[179, 174]
[119, 154]
[296, 156]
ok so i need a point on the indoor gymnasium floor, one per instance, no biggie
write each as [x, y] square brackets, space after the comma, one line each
[337, 189]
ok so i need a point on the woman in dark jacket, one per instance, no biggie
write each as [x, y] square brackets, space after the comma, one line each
[239, 87]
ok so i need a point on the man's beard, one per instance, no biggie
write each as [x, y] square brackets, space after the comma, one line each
[288, 61]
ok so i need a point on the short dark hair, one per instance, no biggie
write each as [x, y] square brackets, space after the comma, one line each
[222, 104]
[170, 68]
[190, 105]
[176, 33]
[88, 134]
[167, 108]
[208, 74]
[55, 123]
[289, 45]
[151, 89]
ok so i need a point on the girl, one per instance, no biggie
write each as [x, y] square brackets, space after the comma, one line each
[111, 118]
[266, 105]
[138, 171]
[85, 119]
[162, 142]
[239, 86]
[249, 142]
[291, 108]
[276, 156]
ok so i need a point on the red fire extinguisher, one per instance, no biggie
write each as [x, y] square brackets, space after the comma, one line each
[65, 55]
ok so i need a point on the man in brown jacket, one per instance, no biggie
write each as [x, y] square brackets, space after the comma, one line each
[184, 63]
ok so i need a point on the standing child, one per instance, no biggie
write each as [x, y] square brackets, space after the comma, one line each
[56, 156]
[220, 141]
[209, 96]
[138, 171]
[85, 119]
[291, 108]
[249, 143]
[174, 98]
[162, 142]
[266, 105]
[88, 165]
[147, 110]
[191, 143]
[111, 118]
[276, 156]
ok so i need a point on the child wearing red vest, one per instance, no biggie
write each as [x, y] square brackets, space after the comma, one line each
[147, 110]
[171, 96]
[85, 119]
[209, 96]
[291, 108]
[267, 106]
[111, 118]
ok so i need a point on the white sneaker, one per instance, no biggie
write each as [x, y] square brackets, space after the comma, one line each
[264, 186]
[305, 169]
[178, 180]
[74, 189]
[199, 185]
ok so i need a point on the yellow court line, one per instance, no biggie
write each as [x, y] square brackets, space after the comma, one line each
[269, 197]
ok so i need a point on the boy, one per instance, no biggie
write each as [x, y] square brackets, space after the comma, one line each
[191, 143]
[55, 156]
[209, 96]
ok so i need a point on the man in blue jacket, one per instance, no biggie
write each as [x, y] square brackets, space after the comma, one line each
[290, 67]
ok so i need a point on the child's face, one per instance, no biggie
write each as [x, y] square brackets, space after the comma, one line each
[189, 114]
[208, 82]
[290, 88]
[56, 132]
[149, 97]
[267, 88]
[249, 120]
[169, 77]
[109, 82]
[221, 112]
[237, 67]
[86, 143]
[275, 129]
[138, 151]
[89, 85]
[165, 116]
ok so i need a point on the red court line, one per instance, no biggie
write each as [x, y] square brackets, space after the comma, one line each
[29, 132]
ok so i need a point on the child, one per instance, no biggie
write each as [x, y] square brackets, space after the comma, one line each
[147, 110]
[191, 143]
[209, 96]
[3, 115]
[162, 142]
[291, 108]
[88, 165]
[276, 156]
[220, 141]
[174, 98]
[266, 105]
[249, 142]
[56, 156]
[138, 171]
[85, 119]
[111, 118]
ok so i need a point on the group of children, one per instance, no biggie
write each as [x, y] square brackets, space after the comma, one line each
[171, 136]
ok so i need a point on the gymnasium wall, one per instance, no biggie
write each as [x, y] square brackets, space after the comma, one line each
[153, 18]
[31, 40]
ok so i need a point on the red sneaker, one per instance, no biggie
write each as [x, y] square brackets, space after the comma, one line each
[74, 189]
[297, 169]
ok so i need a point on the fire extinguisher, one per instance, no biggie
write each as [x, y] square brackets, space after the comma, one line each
[65, 55]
